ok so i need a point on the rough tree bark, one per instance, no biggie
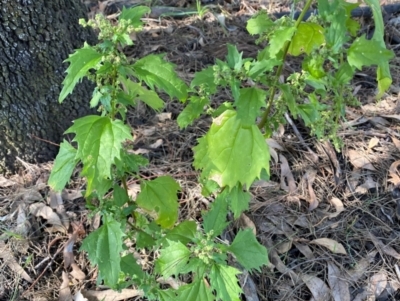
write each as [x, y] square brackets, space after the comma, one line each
[36, 36]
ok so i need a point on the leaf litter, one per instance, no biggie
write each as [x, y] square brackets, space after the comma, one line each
[350, 193]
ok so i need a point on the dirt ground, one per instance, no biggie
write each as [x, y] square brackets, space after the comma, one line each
[346, 247]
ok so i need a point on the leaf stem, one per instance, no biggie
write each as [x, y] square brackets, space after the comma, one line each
[264, 118]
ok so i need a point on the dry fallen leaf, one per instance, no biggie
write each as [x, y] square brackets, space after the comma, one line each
[9, 259]
[377, 284]
[338, 207]
[312, 198]
[373, 142]
[394, 172]
[339, 287]
[246, 222]
[388, 250]
[359, 160]
[164, 116]
[283, 247]
[79, 297]
[111, 295]
[65, 292]
[366, 186]
[4, 182]
[317, 287]
[304, 249]
[396, 142]
[359, 269]
[330, 244]
[40, 209]
[76, 272]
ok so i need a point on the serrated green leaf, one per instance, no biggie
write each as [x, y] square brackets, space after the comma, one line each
[195, 291]
[99, 145]
[249, 103]
[172, 259]
[238, 200]
[192, 111]
[231, 152]
[120, 196]
[344, 74]
[63, 166]
[314, 65]
[215, 218]
[289, 99]
[144, 240]
[165, 295]
[307, 37]
[224, 282]
[185, 232]
[248, 251]
[130, 267]
[134, 14]
[81, 61]
[259, 67]
[365, 52]
[154, 71]
[206, 79]
[129, 163]
[138, 92]
[103, 247]
[234, 58]
[259, 24]
[279, 38]
[160, 197]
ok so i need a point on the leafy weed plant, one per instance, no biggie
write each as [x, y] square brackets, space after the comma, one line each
[231, 155]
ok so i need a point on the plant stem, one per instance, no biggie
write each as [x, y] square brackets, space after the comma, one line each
[272, 90]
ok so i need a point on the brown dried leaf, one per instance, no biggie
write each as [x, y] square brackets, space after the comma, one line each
[77, 272]
[164, 116]
[304, 249]
[281, 267]
[339, 287]
[246, 222]
[111, 295]
[283, 247]
[65, 292]
[338, 207]
[41, 210]
[394, 172]
[396, 142]
[359, 160]
[317, 287]
[377, 284]
[68, 250]
[71, 194]
[6, 182]
[79, 297]
[312, 198]
[287, 180]
[330, 244]
[373, 142]
[366, 186]
[10, 261]
[388, 250]
[156, 144]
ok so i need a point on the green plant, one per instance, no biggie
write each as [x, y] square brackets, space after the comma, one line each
[201, 10]
[231, 155]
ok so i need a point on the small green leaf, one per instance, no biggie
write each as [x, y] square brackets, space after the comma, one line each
[259, 67]
[130, 267]
[120, 196]
[156, 72]
[314, 65]
[103, 247]
[279, 38]
[248, 251]
[365, 52]
[289, 99]
[249, 103]
[215, 218]
[81, 61]
[238, 200]
[172, 259]
[129, 163]
[192, 111]
[205, 78]
[63, 166]
[307, 37]
[160, 197]
[99, 144]
[138, 92]
[134, 14]
[259, 23]
[231, 152]
[195, 291]
[224, 282]
[185, 232]
[234, 58]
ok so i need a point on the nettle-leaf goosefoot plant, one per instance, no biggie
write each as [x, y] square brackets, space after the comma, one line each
[231, 155]
[148, 223]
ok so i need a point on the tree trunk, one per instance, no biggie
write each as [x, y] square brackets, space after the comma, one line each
[36, 36]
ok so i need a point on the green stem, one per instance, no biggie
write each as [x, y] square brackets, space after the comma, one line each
[272, 90]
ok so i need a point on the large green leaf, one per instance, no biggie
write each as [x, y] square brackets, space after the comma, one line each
[81, 61]
[279, 38]
[99, 145]
[259, 23]
[103, 247]
[365, 52]
[195, 291]
[63, 166]
[307, 37]
[156, 72]
[215, 218]
[172, 259]
[248, 251]
[224, 281]
[238, 200]
[159, 196]
[249, 103]
[185, 232]
[231, 152]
